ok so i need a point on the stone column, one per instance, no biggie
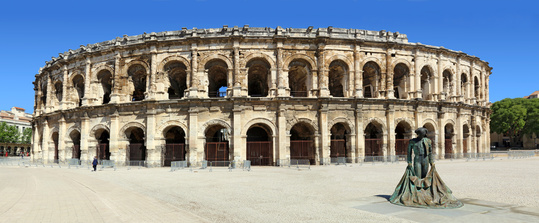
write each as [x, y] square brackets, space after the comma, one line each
[61, 138]
[418, 88]
[282, 84]
[194, 152]
[358, 72]
[390, 119]
[63, 102]
[441, 137]
[237, 146]
[438, 80]
[273, 83]
[237, 76]
[457, 81]
[115, 96]
[87, 81]
[45, 142]
[114, 141]
[36, 147]
[325, 139]
[154, 151]
[282, 133]
[389, 83]
[84, 136]
[360, 133]
[323, 73]
[194, 81]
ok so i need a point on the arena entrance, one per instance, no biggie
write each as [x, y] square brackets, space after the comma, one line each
[216, 148]
[55, 140]
[103, 151]
[338, 141]
[75, 138]
[302, 143]
[259, 146]
[403, 134]
[175, 145]
[137, 150]
[373, 140]
[448, 129]
[465, 134]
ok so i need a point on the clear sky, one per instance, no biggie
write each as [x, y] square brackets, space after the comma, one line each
[503, 33]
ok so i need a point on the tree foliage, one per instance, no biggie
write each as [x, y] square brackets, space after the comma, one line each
[515, 117]
[26, 136]
[9, 133]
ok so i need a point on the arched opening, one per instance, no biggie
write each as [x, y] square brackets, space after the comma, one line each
[2, 152]
[177, 79]
[339, 140]
[75, 138]
[78, 86]
[431, 134]
[137, 77]
[463, 82]
[447, 83]
[44, 94]
[448, 135]
[373, 140]
[426, 75]
[371, 77]
[216, 149]
[257, 76]
[302, 142]
[465, 134]
[103, 152]
[55, 142]
[8, 151]
[217, 78]
[477, 92]
[338, 74]
[58, 91]
[403, 134]
[137, 149]
[175, 145]
[105, 79]
[259, 145]
[298, 72]
[400, 75]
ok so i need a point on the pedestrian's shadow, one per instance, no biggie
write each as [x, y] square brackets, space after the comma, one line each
[384, 196]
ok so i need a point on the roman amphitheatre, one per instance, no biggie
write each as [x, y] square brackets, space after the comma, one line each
[258, 94]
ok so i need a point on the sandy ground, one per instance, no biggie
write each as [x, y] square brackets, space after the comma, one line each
[265, 194]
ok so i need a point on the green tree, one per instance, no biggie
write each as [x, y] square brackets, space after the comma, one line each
[9, 133]
[515, 117]
[26, 136]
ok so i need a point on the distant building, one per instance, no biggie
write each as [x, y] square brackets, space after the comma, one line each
[533, 95]
[21, 120]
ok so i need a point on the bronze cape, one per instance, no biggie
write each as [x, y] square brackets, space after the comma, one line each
[429, 192]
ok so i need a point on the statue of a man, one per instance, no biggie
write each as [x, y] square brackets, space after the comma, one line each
[422, 150]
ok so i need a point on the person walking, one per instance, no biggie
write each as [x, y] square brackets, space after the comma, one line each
[94, 163]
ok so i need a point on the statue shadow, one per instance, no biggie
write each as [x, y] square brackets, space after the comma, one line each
[384, 196]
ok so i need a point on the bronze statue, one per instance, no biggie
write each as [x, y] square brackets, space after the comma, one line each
[420, 187]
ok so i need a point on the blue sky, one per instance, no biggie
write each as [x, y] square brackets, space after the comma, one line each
[503, 33]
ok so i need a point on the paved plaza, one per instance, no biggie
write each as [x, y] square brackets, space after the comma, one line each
[500, 190]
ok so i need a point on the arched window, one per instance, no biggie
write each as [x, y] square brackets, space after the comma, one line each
[78, 86]
[400, 75]
[298, 72]
[257, 76]
[137, 74]
[105, 79]
[338, 74]
[371, 77]
[426, 82]
[58, 91]
[217, 78]
[177, 79]
[447, 82]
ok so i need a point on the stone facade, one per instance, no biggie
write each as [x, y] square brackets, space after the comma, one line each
[261, 94]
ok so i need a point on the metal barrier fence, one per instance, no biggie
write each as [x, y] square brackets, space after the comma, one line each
[177, 165]
[246, 165]
[107, 163]
[74, 162]
[138, 163]
[300, 163]
[230, 165]
[338, 160]
[519, 154]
